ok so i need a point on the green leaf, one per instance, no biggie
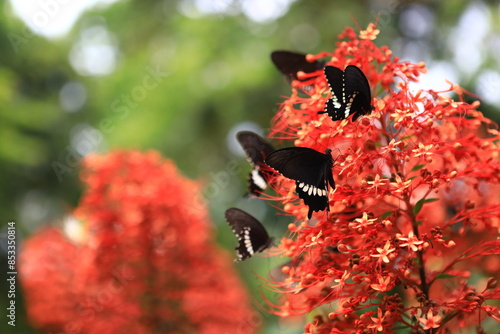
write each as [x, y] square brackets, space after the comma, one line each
[406, 137]
[441, 276]
[386, 214]
[419, 223]
[418, 206]
[417, 167]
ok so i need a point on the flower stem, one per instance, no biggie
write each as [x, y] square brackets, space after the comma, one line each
[421, 270]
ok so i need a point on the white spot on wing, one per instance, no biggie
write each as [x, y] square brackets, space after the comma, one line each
[343, 89]
[335, 100]
[310, 190]
[248, 242]
[258, 180]
[349, 104]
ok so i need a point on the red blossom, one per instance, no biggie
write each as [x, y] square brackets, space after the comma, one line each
[148, 263]
[416, 208]
[430, 321]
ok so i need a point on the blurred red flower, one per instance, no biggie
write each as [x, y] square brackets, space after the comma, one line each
[412, 237]
[147, 264]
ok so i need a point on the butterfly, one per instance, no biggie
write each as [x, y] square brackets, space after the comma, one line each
[256, 148]
[311, 170]
[289, 63]
[252, 236]
[351, 93]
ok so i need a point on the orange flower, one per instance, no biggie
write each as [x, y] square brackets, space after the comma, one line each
[400, 185]
[361, 223]
[411, 241]
[147, 264]
[384, 284]
[370, 33]
[421, 170]
[383, 253]
[422, 150]
[378, 323]
[432, 321]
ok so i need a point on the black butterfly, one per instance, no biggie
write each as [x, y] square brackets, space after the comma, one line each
[289, 63]
[311, 171]
[252, 236]
[256, 148]
[351, 93]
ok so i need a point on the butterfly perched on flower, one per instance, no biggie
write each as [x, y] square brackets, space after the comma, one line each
[311, 170]
[351, 94]
[289, 63]
[256, 149]
[252, 236]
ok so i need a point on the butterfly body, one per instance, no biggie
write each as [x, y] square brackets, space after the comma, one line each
[311, 171]
[350, 91]
[252, 236]
[256, 149]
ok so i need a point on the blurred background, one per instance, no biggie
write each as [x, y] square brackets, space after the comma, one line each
[182, 77]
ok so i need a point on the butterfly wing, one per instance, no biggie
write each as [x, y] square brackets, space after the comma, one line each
[335, 106]
[256, 149]
[289, 63]
[350, 93]
[357, 91]
[252, 236]
[311, 171]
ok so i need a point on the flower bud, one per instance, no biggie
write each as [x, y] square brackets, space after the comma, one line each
[435, 183]
[344, 229]
[342, 248]
[492, 283]
[469, 205]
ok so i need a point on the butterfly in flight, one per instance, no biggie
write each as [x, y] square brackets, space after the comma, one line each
[256, 149]
[289, 63]
[311, 170]
[252, 236]
[351, 93]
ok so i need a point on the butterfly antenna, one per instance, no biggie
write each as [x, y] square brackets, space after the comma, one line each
[340, 154]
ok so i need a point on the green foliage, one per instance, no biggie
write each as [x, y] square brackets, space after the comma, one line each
[419, 205]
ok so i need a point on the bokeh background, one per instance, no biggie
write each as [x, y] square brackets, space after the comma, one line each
[79, 72]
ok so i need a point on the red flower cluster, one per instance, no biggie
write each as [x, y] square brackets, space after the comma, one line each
[412, 237]
[148, 262]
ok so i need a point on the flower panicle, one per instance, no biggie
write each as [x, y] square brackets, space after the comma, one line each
[417, 184]
[147, 252]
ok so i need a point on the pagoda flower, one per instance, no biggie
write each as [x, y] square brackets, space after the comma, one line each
[145, 260]
[414, 216]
